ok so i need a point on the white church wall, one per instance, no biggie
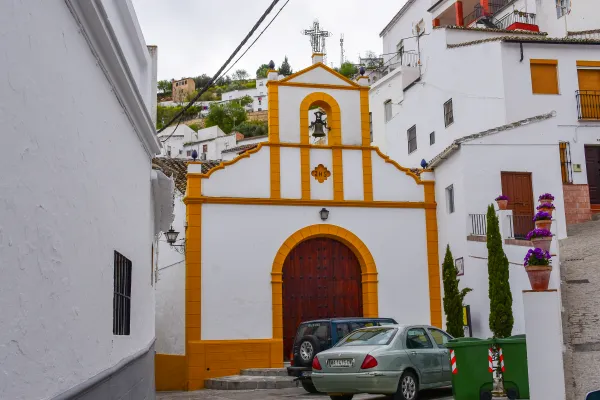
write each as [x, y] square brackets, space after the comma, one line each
[289, 112]
[291, 185]
[320, 75]
[321, 191]
[353, 175]
[238, 180]
[403, 274]
[384, 173]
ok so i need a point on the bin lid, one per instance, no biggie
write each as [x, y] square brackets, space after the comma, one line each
[466, 342]
[513, 339]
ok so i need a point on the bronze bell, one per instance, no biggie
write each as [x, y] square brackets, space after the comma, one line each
[318, 125]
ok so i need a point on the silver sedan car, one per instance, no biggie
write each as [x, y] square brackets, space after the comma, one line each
[396, 360]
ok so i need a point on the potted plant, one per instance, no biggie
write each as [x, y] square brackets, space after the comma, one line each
[541, 238]
[537, 265]
[542, 220]
[546, 207]
[502, 201]
[546, 198]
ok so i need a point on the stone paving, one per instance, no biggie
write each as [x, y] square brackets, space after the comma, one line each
[282, 394]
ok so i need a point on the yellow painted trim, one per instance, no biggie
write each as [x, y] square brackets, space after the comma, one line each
[272, 70]
[326, 68]
[170, 372]
[588, 63]
[334, 117]
[433, 266]
[543, 61]
[367, 175]
[305, 172]
[317, 54]
[362, 77]
[367, 266]
[401, 168]
[320, 86]
[364, 119]
[275, 172]
[273, 113]
[338, 175]
[311, 202]
[320, 146]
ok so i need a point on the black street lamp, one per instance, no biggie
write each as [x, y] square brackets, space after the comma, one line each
[324, 214]
[171, 236]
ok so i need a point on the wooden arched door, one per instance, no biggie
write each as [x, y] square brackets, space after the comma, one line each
[321, 279]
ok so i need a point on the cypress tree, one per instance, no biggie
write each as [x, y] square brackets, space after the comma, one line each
[501, 317]
[453, 299]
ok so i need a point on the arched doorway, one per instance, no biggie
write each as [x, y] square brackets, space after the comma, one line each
[321, 279]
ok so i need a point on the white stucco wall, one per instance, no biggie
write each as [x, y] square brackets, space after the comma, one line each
[403, 277]
[170, 288]
[65, 208]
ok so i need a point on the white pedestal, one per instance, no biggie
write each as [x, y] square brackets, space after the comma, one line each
[544, 345]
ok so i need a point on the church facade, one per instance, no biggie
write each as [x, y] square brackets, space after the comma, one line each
[316, 229]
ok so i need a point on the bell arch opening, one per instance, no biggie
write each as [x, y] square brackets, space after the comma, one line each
[320, 102]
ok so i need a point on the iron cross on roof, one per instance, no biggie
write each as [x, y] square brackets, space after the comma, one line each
[317, 37]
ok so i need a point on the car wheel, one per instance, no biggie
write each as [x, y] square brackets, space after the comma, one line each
[308, 348]
[408, 387]
[309, 386]
[342, 397]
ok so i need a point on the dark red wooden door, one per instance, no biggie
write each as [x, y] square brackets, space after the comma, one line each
[519, 189]
[321, 279]
[592, 163]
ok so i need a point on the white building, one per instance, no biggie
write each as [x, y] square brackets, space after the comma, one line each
[259, 95]
[242, 146]
[483, 107]
[80, 202]
[174, 138]
[210, 143]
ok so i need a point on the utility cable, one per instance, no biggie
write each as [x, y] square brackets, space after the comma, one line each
[216, 76]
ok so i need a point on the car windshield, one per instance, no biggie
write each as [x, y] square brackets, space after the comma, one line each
[369, 337]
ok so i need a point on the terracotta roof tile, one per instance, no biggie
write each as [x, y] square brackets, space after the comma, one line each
[177, 168]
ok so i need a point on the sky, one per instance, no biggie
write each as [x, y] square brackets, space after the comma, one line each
[197, 36]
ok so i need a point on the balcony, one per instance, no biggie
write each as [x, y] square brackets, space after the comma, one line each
[511, 21]
[518, 20]
[517, 226]
[588, 104]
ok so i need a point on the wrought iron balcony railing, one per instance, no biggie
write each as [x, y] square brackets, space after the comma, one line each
[515, 17]
[588, 104]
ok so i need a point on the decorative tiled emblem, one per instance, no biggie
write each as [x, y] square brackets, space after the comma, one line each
[321, 173]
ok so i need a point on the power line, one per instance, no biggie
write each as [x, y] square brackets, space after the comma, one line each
[216, 76]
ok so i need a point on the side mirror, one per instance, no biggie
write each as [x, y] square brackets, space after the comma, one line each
[593, 395]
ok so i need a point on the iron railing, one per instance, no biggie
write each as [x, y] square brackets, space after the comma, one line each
[494, 7]
[588, 104]
[521, 225]
[478, 224]
[514, 17]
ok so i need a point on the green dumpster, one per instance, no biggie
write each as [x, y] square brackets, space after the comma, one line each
[516, 377]
[470, 368]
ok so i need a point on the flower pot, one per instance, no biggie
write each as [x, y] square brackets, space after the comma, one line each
[542, 243]
[548, 210]
[502, 204]
[545, 201]
[543, 224]
[539, 276]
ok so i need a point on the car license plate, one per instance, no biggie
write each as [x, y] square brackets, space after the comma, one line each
[341, 363]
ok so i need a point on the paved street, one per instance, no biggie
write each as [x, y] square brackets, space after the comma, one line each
[281, 394]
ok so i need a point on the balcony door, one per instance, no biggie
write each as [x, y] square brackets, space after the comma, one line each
[519, 189]
[589, 92]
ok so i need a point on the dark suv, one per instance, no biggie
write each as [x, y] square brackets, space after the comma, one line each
[313, 337]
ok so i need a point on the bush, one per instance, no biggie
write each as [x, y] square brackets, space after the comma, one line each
[453, 299]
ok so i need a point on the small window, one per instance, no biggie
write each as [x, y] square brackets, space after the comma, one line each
[412, 139]
[417, 338]
[562, 8]
[565, 162]
[204, 148]
[260, 102]
[261, 84]
[388, 110]
[544, 76]
[371, 126]
[439, 337]
[180, 151]
[448, 113]
[122, 295]
[189, 153]
[259, 109]
[432, 138]
[450, 199]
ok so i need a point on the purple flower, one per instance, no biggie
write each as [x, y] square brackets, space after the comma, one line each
[538, 233]
[546, 205]
[537, 257]
[542, 216]
[502, 197]
[546, 196]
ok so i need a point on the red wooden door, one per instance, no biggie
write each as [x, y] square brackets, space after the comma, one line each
[592, 163]
[519, 189]
[321, 279]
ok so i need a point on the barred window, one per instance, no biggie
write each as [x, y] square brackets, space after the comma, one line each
[412, 139]
[565, 162]
[448, 113]
[122, 295]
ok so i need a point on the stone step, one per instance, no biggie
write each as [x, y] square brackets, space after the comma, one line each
[265, 372]
[250, 382]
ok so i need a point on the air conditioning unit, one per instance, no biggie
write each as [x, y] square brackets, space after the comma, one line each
[203, 157]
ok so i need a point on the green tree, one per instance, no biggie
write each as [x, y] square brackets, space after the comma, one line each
[253, 128]
[244, 101]
[201, 81]
[348, 69]
[165, 86]
[240, 75]
[262, 71]
[164, 114]
[286, 68]
[226, 116]
[501, 317]
[453, 298]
